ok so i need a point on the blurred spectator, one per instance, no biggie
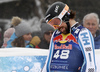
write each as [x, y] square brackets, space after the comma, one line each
[34, 42]
[91, 21]
[22, 35]
[7, 35]
[47, 32]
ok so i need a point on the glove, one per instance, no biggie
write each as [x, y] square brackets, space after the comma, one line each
[35, 41]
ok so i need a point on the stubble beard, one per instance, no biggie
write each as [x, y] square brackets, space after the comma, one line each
[65, 31]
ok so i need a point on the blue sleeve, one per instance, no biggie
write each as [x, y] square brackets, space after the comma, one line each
[11, 39]
[86, 42]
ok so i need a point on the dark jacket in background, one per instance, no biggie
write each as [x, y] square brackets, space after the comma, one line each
[43, 44]
[97, 40]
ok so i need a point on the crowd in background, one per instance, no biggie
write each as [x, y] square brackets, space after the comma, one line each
[91, 22]
[20, 35]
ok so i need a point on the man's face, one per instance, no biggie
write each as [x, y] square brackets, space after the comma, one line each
[59, 24]
[92, 25]
[63, 28]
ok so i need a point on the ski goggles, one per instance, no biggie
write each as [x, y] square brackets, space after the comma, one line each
[55, 22]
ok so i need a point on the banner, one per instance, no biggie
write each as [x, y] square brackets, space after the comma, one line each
[28, 59]
[22, 59]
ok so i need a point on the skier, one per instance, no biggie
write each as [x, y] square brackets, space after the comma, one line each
[72, 46]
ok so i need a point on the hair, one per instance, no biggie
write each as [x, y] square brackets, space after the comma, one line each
[18, 42]
[91, 15]
[72, 14]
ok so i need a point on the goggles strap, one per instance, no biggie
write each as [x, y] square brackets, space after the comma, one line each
[66, 8]
[68, 25]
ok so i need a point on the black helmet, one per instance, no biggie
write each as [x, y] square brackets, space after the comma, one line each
[55, 10]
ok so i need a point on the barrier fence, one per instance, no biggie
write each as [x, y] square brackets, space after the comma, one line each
[28, 59]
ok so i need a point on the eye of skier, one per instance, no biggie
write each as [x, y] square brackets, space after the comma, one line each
[55, 22]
